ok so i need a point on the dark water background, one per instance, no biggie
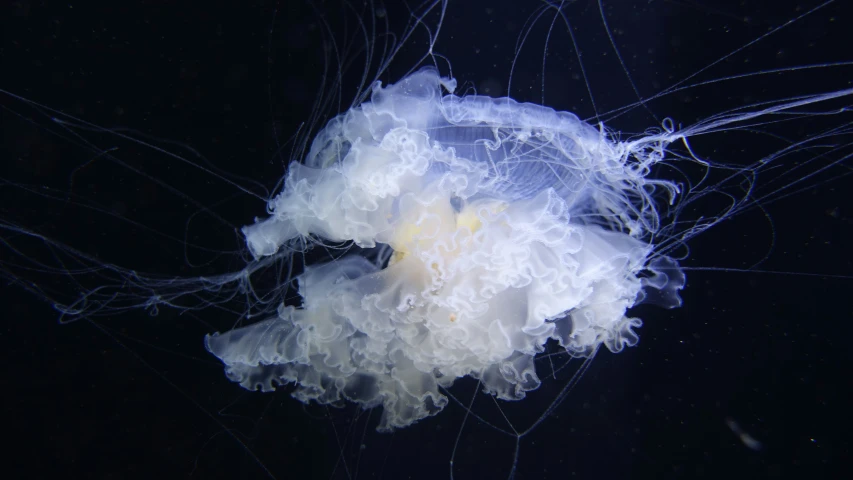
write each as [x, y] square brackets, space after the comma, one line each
[766, 350]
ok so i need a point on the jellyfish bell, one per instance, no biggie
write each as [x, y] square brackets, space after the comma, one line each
[427, 243]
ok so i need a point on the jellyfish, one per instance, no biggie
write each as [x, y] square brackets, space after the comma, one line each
[502, 226]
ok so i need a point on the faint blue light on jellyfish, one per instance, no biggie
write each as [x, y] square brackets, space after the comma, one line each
[500, 225]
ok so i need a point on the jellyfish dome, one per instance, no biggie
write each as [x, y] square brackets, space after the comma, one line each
[501, 226]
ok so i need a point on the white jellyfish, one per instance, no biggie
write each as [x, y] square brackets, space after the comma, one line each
[504, 225]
